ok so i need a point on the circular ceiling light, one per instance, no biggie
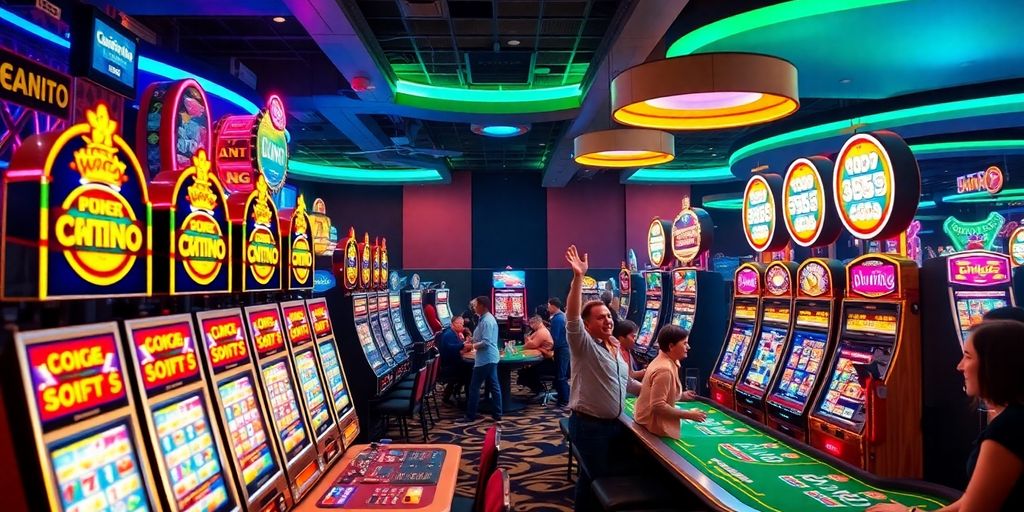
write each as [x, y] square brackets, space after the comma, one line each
[499, 130]
[279, 19]
[705, 91]
[623, 148]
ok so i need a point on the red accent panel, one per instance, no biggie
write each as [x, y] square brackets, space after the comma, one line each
[437, 224]
[591, 215]
[643, 203]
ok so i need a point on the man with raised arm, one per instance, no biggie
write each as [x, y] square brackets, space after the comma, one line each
[600, 381]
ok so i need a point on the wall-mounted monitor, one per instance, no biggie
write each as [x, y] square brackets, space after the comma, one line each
[104, 51]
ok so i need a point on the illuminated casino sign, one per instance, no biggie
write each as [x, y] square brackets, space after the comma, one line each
[250, 145]
[296, 225]
[348, 267]
[969, 236]
[375, 281]
[384, 265]
[777, 279]
[978, 268]
[814, 279]
[174, 123]
[624, 280]
[657, 241]
[321, 318]
[30, 84]
[692, 231]
[76, 215]
[747, 280]
[320, 224]
[257, 238]
[873, 277]
[810, 217]
[876, 185]
[365, 262]
[761, 212]
[990, 180]
[298, 329]
[167, 355]
[271, 144]
[224, 340]
[191, 226]
[1016, 247]
[266, 330]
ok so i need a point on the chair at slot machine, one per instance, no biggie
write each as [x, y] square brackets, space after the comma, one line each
[405, 407]
[488, 466]
[405, 388]
[499, 495]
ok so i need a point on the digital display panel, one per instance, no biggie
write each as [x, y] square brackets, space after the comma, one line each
[335, 380]
[284, 408]
[509, 304]
[653, 280]
[818, 318]
[872, 322]
[444, 313]
[321, 318]
[166, 355]
[803, 364]
[683, 313]
[395, 301]
[266, 329]
[247, 431]
[647, 329]
[971, 308]
[312, 392]
[369, 347]
[777, 313]
[190, 455]
[844, 397]
[765, 360]
[224, 339]
[378, 339]
[745, 311]
[509, 279]
[104, 51]
[100, 472]
[740, 337]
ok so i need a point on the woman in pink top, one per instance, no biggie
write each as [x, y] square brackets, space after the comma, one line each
[661, 389]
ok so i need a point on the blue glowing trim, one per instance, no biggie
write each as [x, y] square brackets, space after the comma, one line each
[924, 205]
[355, 174]
[501, 131]
[706, 175]
[145, 63]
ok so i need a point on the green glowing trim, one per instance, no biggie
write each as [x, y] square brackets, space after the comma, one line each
[924, 205]
[732, 203]
[1008, 194]
[925, 113]
[706, 175]
[984, 231]
[489, 101]
[357, 175]
[965, 145]
[760, 18]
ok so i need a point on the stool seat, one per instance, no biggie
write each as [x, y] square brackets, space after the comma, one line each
[395, 406]
[617, 493]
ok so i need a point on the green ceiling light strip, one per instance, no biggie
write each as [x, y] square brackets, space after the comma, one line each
[722, 202]
[1008, 194]
[488, 101]
[965, 145]
[784, 12]
[354, 174]
[706, 175]
[1007, 103]
[924, 205]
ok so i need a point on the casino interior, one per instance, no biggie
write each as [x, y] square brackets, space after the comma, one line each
[251, 252]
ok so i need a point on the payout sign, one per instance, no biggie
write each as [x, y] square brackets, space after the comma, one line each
[809, 215]
[876, 185]
[761, 210]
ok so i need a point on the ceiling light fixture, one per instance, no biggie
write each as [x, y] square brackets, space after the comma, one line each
[705, 92]
[513, 42]
[499, 130]
[278, 19]
[624, 148]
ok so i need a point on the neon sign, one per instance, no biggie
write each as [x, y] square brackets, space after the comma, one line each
[814, 279]
[778, 279]
[251, 145]
[967, 236]
[296, 223]
[748, 280]
[384, 266]
[224, 340]
[173, 125]
[375, 282]
[761, 211]
[692, 231]
[167, 355]
[365, 262]
[990, 180]
[873, 277]
[350, 261]
[978, 268]
[258, 238]
[810, 218]
[657, 241]
[876, 185]
[1016, 246]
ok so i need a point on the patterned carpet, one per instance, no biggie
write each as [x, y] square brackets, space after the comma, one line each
[532, 451]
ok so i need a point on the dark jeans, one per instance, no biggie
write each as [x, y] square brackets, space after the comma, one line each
[532, 376]
[455, 377]
[562, 374]
[597, 442]
[485, 373]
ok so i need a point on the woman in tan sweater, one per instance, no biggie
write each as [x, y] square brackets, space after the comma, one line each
[656, 406]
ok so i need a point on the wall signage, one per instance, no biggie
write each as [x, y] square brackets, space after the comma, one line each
[968, 236]
[876, 185]
[761, 213]
[657, 241]
[978, 268]
[990, 180]
[692, 232]
[1016, 247]
[76, 215]
[873, 277]
[748, 280]
[174, 124]
[810, 216]
[32, 85]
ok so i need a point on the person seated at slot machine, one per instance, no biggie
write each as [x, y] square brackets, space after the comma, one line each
[540, 340]
[656, 406]
[625, 331]
[454, 374]
[606, 298]
[992, 366]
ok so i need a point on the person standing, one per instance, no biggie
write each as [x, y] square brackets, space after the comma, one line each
[561, 348]
[600, 381]
[485, 365]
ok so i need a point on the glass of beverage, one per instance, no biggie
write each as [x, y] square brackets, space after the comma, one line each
[693, 380]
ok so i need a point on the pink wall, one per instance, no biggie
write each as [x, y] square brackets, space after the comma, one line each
[589, 214]
[436, 225]
[643, 203]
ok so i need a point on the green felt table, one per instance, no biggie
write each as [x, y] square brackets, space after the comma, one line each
[738, 466]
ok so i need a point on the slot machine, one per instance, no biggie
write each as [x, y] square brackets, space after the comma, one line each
[868, 412]
[775, 326]
[395, 311]
[631, 285]
[191, 467]
[312, 380]
[956, 292]
[334, 371]
[444, 310]
[590, 290]
[303, 465]
[81, 447]
[820, 286]
[391, 339]
[385, 347]
[412, 310]
[508, 302]
[646, 346]
[746, 310]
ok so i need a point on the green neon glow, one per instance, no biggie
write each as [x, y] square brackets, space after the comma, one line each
[760, 18]
[925, 113]
[732, 203]
[1008, 194]
[354, 174]
[965, 145]
[706, 175]
[492, 101]
[977, 235]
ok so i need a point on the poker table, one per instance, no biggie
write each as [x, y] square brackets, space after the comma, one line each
[508, 362]
[733, 464]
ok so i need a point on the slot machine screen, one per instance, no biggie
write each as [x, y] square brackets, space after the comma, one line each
[801, 370]
[971, 307]
[739, 339]
[369, 348]
[683, 314]
[444, 313]
[653, 280]
[312, 391]
[247, 431]
[284, 409]
[843, 399]
[505, 305]
[335, 380]
[190, 455]
[647, 328]
[766, 357]
[389, 335]
[99, 471]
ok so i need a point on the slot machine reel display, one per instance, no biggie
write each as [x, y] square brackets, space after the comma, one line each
[646, 345]
[508, 298]
[334, 372]
[746, 313]
[391, 341]
[395, 309]
[444, 310]
[413, 312]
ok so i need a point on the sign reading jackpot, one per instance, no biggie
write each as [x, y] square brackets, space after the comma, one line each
[876, 185]
[173, 125]
[692, 231]
[296, 225]
[257, 238]
[761, 212]
[76, 215]
[810, 217]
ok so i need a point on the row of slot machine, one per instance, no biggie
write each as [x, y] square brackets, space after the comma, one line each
[233, 409]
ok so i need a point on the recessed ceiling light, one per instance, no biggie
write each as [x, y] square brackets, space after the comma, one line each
[499, 130]
[278, 19]
[845, 81]
[714, 154]
[513, 42]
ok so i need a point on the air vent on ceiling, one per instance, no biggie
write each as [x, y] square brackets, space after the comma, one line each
[421, 8]
[500, 67]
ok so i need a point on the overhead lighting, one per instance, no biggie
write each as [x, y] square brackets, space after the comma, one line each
[927, 204]
[705, 92]
[723, 202]
[279, 19]
[624, 148]
[333, 173]
[703, 175]
[488, 101]
[513, 42]
[499, 130]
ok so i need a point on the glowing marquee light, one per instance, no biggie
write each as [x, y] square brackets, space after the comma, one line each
[299, 250]
[990, 180]
[876, 185]
[967, 236]
[761, 212]
[257, 239]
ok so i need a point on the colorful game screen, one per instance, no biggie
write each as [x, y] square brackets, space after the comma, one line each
[247, 431]
[389, 335]
[844, 397]
[739, 339]
[335, 380]
[396, 319]
[369, 348]
[745, 310]
[284, 408]
[684, 281]
[312, 392]
[190, 455]
[647, 329]
[972, 306]
[508, 279]
[444, 313]
[378, 339]
[653, 280]
[813, 317]
[777, 313]
[873, 321]
[804, 361]
[508, 304]
[765, 360]
[166, 355]
[99, 471]
[683, 312]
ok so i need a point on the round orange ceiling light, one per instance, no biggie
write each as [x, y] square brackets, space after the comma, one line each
[705, 92]
[624, 148]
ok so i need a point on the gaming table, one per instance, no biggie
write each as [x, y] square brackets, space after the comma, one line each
[508, 362]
